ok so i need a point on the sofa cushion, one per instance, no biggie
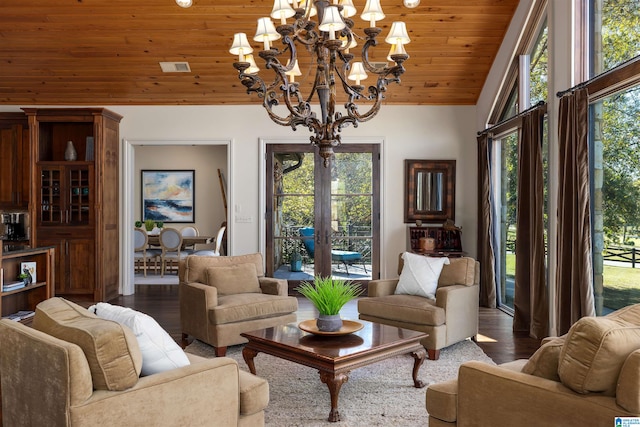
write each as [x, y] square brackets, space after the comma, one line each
[194, 268]
[594, 352]
[627, 391]
[442, 400]
[254, 393]
[235, 279]
[159, 351]
[544, 362]
[242, 307]
[403, 308]
[460, 271]
[111, 349]
[420, 275]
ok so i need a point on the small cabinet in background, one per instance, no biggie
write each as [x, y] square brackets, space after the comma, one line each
[28, 297]
[446, 241]
[15, 161]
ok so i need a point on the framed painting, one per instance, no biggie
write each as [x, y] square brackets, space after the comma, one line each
[168, 195]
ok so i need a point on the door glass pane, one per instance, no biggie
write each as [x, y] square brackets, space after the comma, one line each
[351, 215]
[293, 215]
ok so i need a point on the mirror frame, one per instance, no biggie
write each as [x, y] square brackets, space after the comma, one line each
[448, 169]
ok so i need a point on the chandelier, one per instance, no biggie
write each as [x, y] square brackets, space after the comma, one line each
[328, 38]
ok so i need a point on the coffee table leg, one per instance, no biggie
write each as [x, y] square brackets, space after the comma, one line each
[334, 382]
[248, 354]
[418, 356]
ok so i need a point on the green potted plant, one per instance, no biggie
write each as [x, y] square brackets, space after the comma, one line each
[25, 277]
[329, 295]
[149, 224]
[138, 224]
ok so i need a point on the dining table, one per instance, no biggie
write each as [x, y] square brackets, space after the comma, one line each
[154, 240]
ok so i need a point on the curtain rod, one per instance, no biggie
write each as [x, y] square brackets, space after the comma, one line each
[596, 78]
[520, 114]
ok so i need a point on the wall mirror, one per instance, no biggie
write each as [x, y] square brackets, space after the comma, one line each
[430, 187]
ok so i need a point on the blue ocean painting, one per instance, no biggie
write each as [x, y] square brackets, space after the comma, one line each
[168, 196]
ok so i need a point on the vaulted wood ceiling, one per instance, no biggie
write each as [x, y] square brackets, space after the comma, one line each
[106, 52]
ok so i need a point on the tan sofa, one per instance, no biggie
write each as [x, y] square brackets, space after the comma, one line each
[450, 318]
[93, 380]
[586, 378]
[221, 297]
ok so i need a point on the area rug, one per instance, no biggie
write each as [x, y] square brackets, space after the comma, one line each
[381, 394]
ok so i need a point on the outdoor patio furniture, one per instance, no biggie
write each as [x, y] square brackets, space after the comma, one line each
[340, 256]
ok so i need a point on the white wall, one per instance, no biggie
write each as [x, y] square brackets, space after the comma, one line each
[408, 132]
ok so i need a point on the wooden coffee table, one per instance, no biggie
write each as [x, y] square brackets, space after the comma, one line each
[335, 356]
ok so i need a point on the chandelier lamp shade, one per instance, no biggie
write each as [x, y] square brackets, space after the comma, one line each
[325, 31]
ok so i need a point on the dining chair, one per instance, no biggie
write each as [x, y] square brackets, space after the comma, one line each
[171, 243]
[216, 250]
[189, 231]
[142, 251]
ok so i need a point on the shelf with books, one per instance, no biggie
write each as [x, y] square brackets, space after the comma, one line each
[16, 295]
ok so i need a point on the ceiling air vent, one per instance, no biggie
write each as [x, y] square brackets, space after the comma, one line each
[175, 67]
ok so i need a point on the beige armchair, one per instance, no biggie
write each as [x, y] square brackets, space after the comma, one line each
[450, 318]
[49, 381]
[223, 296]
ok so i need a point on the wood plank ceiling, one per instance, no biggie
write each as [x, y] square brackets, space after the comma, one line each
[107, 52]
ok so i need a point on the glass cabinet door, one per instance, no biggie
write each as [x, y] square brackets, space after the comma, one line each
[51, 203]
[79, 185]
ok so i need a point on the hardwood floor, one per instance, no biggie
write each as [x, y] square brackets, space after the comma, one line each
[496, 337]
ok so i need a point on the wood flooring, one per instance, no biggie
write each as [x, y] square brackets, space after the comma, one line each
[496, 337]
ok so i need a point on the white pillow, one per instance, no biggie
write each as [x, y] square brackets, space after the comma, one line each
[420, 275]
[159, 351]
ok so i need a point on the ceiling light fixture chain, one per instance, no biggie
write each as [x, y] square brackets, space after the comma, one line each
[329, 43]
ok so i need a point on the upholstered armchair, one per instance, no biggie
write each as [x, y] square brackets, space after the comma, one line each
[449, 318]
[223, 296]
[75, 369]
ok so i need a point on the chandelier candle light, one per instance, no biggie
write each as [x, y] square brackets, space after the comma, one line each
[329, 40]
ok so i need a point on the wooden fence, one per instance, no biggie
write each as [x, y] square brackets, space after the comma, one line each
[619, 254]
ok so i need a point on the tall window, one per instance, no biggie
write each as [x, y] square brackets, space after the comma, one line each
[615, 141]
[507, 208]
[506, 155]
[538, 72]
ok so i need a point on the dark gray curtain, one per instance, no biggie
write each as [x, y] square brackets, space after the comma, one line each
[485, 233]
[574, 278]
[531, 302]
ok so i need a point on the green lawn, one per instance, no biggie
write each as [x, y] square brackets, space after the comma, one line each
[621, 284]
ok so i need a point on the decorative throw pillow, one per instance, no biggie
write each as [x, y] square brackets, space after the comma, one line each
[627, 391]
[236, 279]
[159, 351]
[594, 351]
[111, 349]
[544, 362]
[420, 275]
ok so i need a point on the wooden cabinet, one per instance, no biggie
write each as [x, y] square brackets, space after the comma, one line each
[28, 297]
[75, 203]
[446, 242]
[74, 260]
[15, 161]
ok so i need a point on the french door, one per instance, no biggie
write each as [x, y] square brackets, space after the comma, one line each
[322, 220]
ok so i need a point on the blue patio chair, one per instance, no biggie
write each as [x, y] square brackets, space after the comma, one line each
[341, 257]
